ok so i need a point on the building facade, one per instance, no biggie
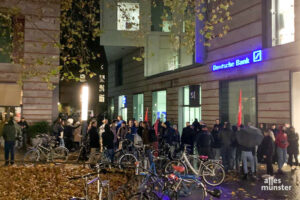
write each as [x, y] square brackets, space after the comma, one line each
[258, 58]
[38, 21]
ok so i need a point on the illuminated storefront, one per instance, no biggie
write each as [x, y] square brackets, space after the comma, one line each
[159, 105]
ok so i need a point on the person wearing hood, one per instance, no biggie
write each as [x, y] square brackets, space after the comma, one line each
[217, 144]
[188, 136]
[226, 137]
[267, 150]
[108, 141]
[204, 141]
[169, 133]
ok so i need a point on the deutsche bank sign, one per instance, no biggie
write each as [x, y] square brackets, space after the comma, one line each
[254, 57]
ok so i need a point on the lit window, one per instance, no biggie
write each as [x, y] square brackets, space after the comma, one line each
[283, 22]
[128, 16]
[189, 111]
[159, 106]
[138, 107]
[122, 107]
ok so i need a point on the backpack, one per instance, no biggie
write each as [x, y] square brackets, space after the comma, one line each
[282, 141]
[137, 141]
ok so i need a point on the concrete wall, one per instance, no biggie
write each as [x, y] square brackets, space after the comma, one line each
[41, 21]
[246, 35]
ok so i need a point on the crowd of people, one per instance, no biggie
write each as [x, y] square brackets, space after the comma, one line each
[279, 144]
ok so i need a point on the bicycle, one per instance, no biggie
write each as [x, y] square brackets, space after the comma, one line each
[184, 184]
[46, 149]
[100, 185]
[213, 172]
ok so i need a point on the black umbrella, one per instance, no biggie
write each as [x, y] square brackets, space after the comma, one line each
[249, 137]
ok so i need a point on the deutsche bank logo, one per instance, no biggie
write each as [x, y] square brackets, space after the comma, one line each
[257, 56]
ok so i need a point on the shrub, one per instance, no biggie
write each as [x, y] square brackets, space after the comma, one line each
[38, 128]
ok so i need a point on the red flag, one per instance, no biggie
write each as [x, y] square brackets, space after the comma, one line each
[240, 110]
[146, 115]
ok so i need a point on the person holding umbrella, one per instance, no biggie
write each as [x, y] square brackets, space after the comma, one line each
[248, 138]
[282, 144]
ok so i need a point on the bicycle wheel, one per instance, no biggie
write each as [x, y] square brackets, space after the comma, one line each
[127, 160]
[195, 162]
[31, 157]
[213, 173]
[169, 166]
[188, 186]
[60, 154]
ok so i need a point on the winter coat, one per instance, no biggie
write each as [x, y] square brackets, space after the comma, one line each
[77, 134]
[217, 141]
[267, 147]
[187, 136]
[226, 137]
[108, 138]
[11, 131]
[94, 137]
[282, 140]
[204, 139]
[122, 132]
[293, 139]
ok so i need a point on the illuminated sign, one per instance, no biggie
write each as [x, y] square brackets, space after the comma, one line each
[254, 57]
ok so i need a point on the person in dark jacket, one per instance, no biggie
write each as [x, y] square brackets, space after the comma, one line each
[217, 143]
[169, 136]
[226, 137]
[267, 150]
[293, 148]
[146, 137]
[188, 136]
[69, 133]
[204, 141]
[94, 137]
[24, 127]
[108, 141]
[10, 132]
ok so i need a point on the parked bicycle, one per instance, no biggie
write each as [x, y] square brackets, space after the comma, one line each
[46, 151]
[213, 172]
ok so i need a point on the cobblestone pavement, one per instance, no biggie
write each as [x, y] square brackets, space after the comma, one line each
[236, 188]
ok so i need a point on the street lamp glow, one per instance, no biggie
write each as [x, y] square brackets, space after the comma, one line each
[84, 102]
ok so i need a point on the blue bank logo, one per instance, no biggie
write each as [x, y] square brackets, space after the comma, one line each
[254, 57]
[257, 56]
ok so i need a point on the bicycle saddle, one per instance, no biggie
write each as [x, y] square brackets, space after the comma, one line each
[179, 169]
[203, 157]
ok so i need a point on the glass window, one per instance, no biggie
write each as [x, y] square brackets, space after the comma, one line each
[159, 106]
[122, 108]
[111, 108]
[128, 16]
[283, 22]
[5, 41]
[138, 107]
[229, 101]
[157, 11]
[188, 113]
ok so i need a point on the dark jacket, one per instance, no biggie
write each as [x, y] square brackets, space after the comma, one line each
[169, 135]
[146, 136]
[108, 138]
[11, 131]
[267, 146]
[293, 139]
[94, 138]
[24, 126]
[187, 136]
[204, 139]
[226, 137]
[217, 143]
